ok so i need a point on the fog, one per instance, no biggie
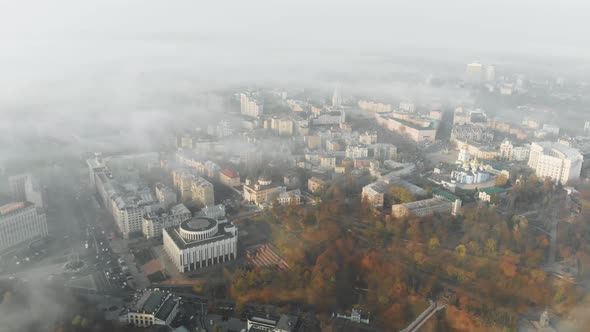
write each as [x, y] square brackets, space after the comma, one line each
[91, 75]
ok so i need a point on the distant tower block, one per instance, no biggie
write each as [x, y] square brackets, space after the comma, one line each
[337, 96]
[490, 73]
[473, 73]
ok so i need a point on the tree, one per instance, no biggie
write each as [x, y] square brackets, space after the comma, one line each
[198, 286]
[461, 250]
[501, 180]
[508, 267]
[474, 248]
[6, 297]
[491, 247]
[76, 320]
[401, 194]
[433, 243]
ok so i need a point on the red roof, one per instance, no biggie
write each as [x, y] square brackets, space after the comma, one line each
[10, 207]
[229, 173]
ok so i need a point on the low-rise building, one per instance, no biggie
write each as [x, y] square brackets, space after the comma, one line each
[229, 177]
[202, 192]
[355, 316]
[262, 191]
[368, 138]
[374, 193]
[313, 142]
[270, 323]
[186, 142]
[290, 197]
[470, 132]
[200, 242]
[371, 106]
[182, 180]
[327, 162]
[215, 212]
[356, 152]
[154, 222]
[419, 130]
[21, 222]
[151, 307]
[165, 195]
[422, 208]
[455, 201]
[383, 151]
[329, 118]
[316, 185]
[486, 194]
[469, 116]
[407, 106]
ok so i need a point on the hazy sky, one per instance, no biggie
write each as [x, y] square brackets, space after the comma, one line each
[48, 43]
[518, 25]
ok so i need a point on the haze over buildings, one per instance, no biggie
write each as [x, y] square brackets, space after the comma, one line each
[331, 165]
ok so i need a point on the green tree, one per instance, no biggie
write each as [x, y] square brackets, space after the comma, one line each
[6, 297]
[433, 243]
[401, 194]
[491, 246]
[461, 250]
[474, 248]
[76, 320]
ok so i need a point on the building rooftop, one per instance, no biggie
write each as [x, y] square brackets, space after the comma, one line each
[179, 209]
[264, 319]
[13, 207]
[561, 151]
[166, 308]
[183, 243]
[155, 302]
[229, 173]
[288, 322]
[198, 224]
[212, 210]
[149, 301]
[492, 190]
[431, 123]
[445, 194]
[426, 203]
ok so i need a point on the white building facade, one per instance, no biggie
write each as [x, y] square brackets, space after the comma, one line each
[200, 242]
[20, 222]
[555, 161]
[250, 106]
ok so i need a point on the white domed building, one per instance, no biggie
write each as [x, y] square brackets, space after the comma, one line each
[470, 171]
[199, 242]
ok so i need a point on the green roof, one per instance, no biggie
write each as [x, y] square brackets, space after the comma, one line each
[444, 194]
[492, 190]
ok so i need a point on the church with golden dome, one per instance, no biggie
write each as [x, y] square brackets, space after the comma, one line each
[469, 170]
